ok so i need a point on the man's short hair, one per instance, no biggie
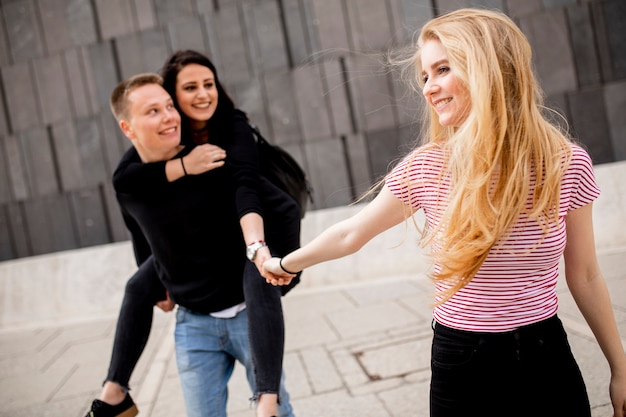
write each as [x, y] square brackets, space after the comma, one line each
[119, 96]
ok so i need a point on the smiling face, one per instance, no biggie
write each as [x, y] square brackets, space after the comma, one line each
[196, 94]
[153, 124]
[442, 89]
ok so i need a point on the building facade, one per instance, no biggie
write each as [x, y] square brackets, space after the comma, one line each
[308, 72]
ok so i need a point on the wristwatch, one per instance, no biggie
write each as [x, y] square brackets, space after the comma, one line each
[252, 249]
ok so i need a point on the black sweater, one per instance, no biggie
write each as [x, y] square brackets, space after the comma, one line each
[192, 225]
[192, 229]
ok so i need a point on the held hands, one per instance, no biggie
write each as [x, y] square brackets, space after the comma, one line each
[262, 255]
[264, 258]
[204, 158]
[274, 274]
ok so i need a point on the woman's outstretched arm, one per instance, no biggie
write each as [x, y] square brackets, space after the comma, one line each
[341, 239]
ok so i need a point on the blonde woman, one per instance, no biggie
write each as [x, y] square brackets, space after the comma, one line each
[505, 195]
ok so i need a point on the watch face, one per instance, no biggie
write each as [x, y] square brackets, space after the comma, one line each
[251, 249]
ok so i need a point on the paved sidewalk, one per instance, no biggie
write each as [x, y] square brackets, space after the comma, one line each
[359, 350]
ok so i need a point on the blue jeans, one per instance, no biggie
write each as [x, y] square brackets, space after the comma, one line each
[527, 372]
[206, 351]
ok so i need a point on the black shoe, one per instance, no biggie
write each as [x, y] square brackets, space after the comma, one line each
[126, 408]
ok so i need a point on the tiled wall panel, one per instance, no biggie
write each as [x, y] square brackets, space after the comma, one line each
[204, 6]
[186, 34]
[16, 170]
[101, 74]
[330, 20]
[168, 11]
[115, 223]
[49, 224]
[449, 5]
[517, 8]
[66, 23]
[589, 121]
[549, 36]
[615, 104]
[310, 73]
[66, 147]
[372, 95]
[89, 137]
[557, 3]
[17, 229]
[52, 91]
[602, 41]
[5, 187]
[142, 52]
[5, 52]
[409, 16]
[145, 15]
[19, 89]
[299, 30]
[359, 165]
[78, 151]
[489, 4]
[24, 35]
[386, 148]
[6, 244]
[56, 34]
[80, 96]
[4, 124]
[407, 102]
[615, 16]
[81, 21]
[370, 24]
[265, 36]
[40, 164]
[250, 97]
[89, 213]
[115, 18]
[282, 106]
[113, 143]
[230, 44]
[337, 93]
[583, 44]
[312, 104]
[328, 172]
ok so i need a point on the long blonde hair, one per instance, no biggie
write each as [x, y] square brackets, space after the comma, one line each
[504, 140]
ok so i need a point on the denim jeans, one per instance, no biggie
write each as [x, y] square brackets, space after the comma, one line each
[527, 372]
[266, 330]
[206, 350]
[266, 326]
[265, 314]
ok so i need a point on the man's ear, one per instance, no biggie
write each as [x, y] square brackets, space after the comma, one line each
[126, 129]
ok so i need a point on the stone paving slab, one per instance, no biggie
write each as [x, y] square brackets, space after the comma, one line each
[353, 350]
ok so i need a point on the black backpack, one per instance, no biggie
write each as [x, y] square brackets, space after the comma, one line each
[282, 170]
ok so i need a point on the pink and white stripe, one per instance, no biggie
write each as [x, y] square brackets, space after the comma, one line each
[516, 285]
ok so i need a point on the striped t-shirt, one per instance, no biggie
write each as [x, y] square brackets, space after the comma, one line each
[516, 285]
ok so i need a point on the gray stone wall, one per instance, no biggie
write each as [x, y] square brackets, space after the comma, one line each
[308, 72]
